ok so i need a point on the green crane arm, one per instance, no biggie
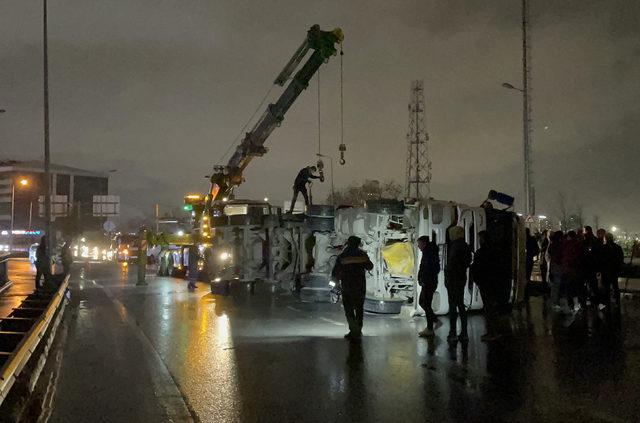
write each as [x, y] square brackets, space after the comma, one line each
[323, 43]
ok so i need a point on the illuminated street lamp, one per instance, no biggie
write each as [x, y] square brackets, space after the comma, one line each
[614, 229]
[22, 182]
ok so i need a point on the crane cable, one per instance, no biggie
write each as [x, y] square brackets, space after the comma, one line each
[319, 150]
[237, 138]
[342, 147]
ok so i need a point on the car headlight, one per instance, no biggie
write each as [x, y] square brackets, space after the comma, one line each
[224, 256]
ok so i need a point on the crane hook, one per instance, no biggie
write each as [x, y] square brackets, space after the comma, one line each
[342, 149]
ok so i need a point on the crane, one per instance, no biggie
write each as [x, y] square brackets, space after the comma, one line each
[226, 177]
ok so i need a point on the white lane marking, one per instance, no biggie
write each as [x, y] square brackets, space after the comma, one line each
[167, 390]
[333, 322]
[294, 309]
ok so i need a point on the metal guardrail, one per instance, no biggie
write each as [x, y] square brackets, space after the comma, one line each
[4, 268]
[22, 334]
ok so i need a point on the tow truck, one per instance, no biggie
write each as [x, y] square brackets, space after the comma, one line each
[232, 236]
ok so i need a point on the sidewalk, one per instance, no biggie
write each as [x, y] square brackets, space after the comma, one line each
[22, 274]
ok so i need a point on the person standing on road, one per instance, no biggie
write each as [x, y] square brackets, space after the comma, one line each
[532, 250]
[66, 258]
[544, 265]
[553, 258]
[458, 261]
[43, 263]
[571, 269]
[591, 256]
[300, 185]
[350, 269]
[192, 271]
[612, 262]
[428, 281]
[481, 270]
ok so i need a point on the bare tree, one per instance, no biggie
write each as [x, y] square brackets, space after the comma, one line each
[578, 213]
[391, 189]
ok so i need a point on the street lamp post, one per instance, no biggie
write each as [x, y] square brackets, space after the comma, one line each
[529, 194]
[529, 191]
[23, 182]
[330, 168]
[47, 158]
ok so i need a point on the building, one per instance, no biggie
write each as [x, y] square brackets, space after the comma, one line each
[80, 199]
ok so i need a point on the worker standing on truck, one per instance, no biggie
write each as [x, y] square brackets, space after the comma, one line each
[300, 185]
[350, 269]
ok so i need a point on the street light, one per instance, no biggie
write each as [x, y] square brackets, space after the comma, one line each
[331, 168]
[23, 182]
[511, 87]
[529, 194]
[614, 229]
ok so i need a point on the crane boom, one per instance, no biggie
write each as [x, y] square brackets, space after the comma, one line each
[226, 177]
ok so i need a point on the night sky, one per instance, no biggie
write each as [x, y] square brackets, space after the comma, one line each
[160, 89]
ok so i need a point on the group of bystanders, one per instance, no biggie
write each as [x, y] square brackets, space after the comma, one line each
[579, 268]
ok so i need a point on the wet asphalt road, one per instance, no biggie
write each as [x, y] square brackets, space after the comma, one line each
[161, 353]
[21, 274]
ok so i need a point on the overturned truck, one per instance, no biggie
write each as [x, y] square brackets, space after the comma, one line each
[254, 241]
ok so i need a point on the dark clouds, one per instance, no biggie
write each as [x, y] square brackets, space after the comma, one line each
[158, 90]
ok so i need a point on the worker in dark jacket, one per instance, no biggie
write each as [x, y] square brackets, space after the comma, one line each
[458, 261]
[611, 264]
[300, 185]
[350, 270]
[482, 272]
[531, 251]
[590, 256]
[66, 257]
[428, 281]
[43, 263]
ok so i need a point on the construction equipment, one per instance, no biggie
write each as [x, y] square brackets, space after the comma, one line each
[226, 177]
